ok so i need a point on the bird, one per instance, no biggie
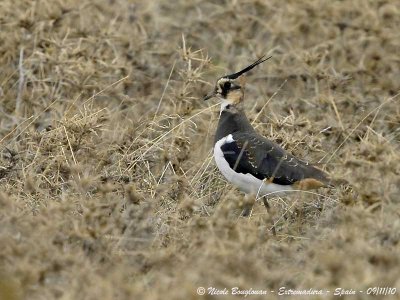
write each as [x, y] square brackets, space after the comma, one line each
[256, 165]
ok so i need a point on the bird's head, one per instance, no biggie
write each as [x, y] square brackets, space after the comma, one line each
[230, 88]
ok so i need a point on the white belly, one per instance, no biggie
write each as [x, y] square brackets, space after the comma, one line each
[245, 182]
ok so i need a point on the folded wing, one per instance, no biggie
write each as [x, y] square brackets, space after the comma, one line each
[250, 153]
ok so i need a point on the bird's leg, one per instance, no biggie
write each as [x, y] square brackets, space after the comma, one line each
[268, 207]
[266, 204]
[248, 204]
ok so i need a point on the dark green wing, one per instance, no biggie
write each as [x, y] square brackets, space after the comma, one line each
[251, 153]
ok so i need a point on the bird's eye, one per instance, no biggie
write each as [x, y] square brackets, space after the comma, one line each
[228, 106]
[227, 85]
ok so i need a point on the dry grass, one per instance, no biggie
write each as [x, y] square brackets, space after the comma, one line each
[108, 188]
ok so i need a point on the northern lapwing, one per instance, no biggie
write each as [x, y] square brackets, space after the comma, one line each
[254, 164]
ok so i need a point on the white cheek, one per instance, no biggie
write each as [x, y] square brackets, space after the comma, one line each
[224, 104]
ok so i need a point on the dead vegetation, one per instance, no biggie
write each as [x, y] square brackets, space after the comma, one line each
[108, 188]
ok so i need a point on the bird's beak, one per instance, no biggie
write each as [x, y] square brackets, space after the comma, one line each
[209, 96]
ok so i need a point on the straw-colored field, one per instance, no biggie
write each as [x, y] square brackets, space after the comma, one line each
[108, 189]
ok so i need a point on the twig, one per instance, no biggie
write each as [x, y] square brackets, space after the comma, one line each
[34, 119]
[165, 88]
[20, 83]
[358, 125]
[336, 111]
[270, 98]
[153, 142]
[106, 88]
